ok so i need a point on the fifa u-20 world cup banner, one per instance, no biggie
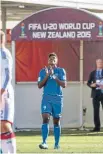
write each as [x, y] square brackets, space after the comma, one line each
[59, 23]
[61, 30]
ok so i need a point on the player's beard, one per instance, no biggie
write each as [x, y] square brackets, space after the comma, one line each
[52, 65]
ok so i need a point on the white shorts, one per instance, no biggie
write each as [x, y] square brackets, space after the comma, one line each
[7, 107]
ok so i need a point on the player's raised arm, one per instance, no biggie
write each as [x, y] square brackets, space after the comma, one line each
[62, 81]
[43, 77]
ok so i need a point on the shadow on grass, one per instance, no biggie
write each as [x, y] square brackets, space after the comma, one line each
[65, 132]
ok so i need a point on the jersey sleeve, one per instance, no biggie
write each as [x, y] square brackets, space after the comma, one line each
[41, 76]
[7, 69]
[63, 75]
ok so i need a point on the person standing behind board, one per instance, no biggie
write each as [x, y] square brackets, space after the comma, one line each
[94, 80]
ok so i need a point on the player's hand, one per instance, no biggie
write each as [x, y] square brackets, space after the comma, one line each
[54, 77]
[51, 72]
[2, 91]
[46, 70]
[93, 85]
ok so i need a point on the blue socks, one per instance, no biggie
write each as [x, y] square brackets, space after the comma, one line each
[45, 131]
[57, 133]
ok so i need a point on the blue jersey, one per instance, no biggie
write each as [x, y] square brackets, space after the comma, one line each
[52, 87]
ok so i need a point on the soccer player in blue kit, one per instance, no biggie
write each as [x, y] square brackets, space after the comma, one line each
[52, 79]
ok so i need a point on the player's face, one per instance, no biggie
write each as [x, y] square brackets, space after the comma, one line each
[99, 63]
[52, 60]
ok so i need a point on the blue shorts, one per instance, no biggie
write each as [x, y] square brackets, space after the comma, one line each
[52, 105]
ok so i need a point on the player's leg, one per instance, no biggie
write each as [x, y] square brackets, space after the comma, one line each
[57, 109]
[45, 130]
[8, 142]
[57, 131]
[46, 111]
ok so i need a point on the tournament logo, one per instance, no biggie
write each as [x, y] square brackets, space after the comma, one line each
[100, 29]
[23, 35]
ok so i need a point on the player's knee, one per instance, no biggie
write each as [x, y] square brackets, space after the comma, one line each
[5, 126]
[46, 120]
[56, 122]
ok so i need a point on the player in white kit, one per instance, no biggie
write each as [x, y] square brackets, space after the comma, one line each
[7, 140]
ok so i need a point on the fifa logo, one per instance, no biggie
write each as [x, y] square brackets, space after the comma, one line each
[100, 27]
[22, 29]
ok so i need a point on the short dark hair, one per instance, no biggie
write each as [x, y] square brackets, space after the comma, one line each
[53, 54]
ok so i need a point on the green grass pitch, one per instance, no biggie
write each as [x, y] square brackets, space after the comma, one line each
[72, 141]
